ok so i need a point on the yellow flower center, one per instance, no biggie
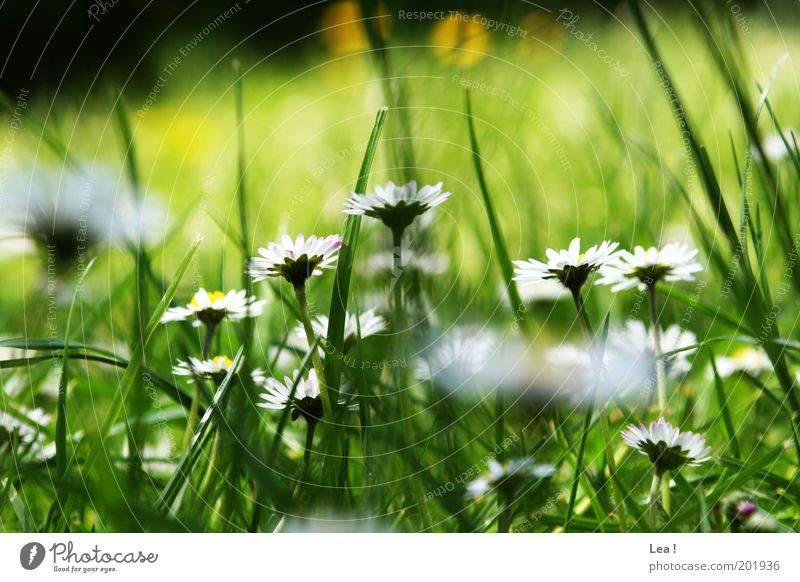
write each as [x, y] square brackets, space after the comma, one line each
[224, 362]
[212, 296]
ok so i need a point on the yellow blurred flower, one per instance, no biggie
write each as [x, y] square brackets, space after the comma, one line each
[542, 27]
[342, 25]
[460, 39]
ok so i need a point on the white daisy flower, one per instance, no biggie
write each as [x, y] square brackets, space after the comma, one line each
[397, 206]
[458, 357]
[635, 340]
[213, 369]
[542, 290]
[570, 267]
[666, 446]
[508, 476]
[67, 212]
[773, 146]
[643, 267]
[370, 323]
[211, 307]
[306, 400]
[296, 260]
[746, 359]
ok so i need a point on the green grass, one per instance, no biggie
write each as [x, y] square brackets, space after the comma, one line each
[553, 144]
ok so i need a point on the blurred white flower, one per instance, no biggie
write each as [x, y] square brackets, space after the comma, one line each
[431, 264]
[746, 359]
[212, 369]
[457, 358]
[570, 267]
[369, 321]
[397, 205]
[773, 146]
[666, 446]
[643, 267]
[31, 438]
[212, 307]
[296, 260]
[541, 290]
[508, 476]
[67, 211]
[635, 340]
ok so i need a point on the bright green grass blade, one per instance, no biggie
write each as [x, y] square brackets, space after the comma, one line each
[503, 258]
[61, 415]
[201, 437]
[334, 345]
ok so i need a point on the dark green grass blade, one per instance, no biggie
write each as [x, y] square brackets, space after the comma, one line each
[722, 400]
[201, 437]
[503, 258]
[61, 416]
[334, 347]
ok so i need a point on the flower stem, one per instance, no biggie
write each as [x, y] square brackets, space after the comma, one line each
[302, 301]
[660, 369]
[194, 408]
[311, 427]
[398, 314]
[602, 412]
[653, 500]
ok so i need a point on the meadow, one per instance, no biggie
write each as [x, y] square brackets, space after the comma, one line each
[225, 308]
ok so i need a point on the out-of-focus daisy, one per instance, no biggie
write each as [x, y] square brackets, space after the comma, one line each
[542, 290]
[666, 446]
[643, 267]
[306, 400]
[342, 26]
[431, 264]
[636, 341]
[507, 477]
[369, 322]
[212, 369]
[457, 358]
[296, 260]
[67, 212]
[212, 307]
[397, 205]
[746, 359]
[774, 147]
[570, 267]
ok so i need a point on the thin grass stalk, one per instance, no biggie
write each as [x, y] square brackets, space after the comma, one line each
[406, 409]
[602, 413]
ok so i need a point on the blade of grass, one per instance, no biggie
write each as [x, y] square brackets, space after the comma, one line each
[334, 347]
[722, 400]
[201, 437]
[503, 258]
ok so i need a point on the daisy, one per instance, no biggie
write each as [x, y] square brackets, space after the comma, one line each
[397, 206]
[570, 267]
[774, 147]
[370, 323]
[212, 307]
[636, 341]
[508, 476]
[457, 358]
[67, 212]
[542, 290]
[213, 369]
[306, 400]
[643, 267]
[666, 446]
[746, 359]
[296, 260]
